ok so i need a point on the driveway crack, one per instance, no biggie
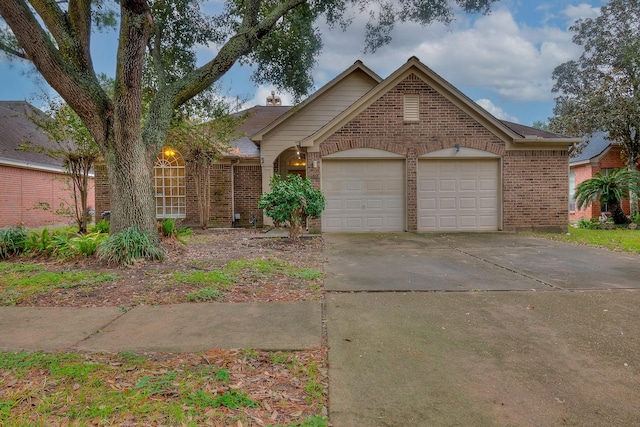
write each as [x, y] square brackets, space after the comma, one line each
[511, 270]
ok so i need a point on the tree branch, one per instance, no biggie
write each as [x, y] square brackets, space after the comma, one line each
[239, 45]
[79, 89]
[80, 22]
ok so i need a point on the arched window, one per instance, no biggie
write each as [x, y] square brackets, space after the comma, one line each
[170, 185]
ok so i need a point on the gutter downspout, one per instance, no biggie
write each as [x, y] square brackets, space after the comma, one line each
[233, 194]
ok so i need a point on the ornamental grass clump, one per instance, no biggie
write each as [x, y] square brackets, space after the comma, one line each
[12, 241]
[130, 245]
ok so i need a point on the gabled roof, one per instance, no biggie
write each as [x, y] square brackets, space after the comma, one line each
[596, 146]
[506, 131]
[258, 117]
[357, 66]
[531, 132]
[15, 130]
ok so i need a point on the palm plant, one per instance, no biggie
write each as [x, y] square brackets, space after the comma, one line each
[609, 189]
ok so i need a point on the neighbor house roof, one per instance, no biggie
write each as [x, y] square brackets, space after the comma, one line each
[16, 129]
[596, 146]
[258, 117]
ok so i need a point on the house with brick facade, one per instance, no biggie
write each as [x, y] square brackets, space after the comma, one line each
[32, 181]
[409, 152]
[599, 155]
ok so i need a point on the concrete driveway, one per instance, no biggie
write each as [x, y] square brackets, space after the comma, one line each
[536, 333]
[464, 262]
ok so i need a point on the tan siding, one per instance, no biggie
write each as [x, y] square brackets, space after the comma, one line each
[308, 120]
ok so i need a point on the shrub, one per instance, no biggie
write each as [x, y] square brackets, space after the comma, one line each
[12, 241]
[291, 202]
[87, 244]
[129, 245]
[168, 227]
[39, 242]
[102, 226]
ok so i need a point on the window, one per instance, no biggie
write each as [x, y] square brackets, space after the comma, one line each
[572, 191]
[411, 107]
[170, 185]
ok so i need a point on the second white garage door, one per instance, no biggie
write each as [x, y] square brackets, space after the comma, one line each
[363, 195]
[458, 195]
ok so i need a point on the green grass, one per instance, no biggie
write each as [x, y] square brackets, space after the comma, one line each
[22, 281]
[263, 268]
[215, 282]
[215, 277]
[94, 389]
[618, 240]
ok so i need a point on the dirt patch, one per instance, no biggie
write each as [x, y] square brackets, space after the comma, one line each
[153, 283]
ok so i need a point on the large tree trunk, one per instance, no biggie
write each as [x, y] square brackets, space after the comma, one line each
[129, 165]
[131, 186]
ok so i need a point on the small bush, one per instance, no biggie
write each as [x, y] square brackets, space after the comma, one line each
[129, 245]
[168, 227]
[39, 242]
[291, 202]
[87, 244]
[102, 226]
[12, 241]
[184, 231]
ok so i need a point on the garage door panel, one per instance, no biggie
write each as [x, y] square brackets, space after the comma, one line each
[487, 203]
[375, 195]
[458, 194]
[447, 185]
[467, 203]
[352, 187]
[468, 185]
[351, 205]
[448, 203]
[374, 204]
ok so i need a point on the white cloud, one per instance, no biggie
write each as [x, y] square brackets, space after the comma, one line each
[492, 52]
[496, 111]
[582, 11]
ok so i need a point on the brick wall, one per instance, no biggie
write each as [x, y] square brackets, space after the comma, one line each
[536, 183]
[25, 189]
[248, 188]
[220, 210]
[535, 190]
[248, 184]
[611, 160]
[102, 193]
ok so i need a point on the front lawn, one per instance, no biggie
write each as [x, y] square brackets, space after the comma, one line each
[622, 240]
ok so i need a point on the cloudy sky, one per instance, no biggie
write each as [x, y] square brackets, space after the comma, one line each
[503, 60]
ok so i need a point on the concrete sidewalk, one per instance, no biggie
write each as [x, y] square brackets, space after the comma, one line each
[170, 328]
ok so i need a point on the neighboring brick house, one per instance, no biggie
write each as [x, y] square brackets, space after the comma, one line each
[600, 155]
[405, 153]
[30, 180]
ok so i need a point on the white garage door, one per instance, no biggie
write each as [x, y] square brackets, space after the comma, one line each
[458, 195]
[363, 195]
